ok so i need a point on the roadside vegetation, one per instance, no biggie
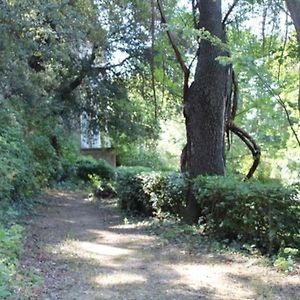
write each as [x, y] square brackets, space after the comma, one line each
[136, 69]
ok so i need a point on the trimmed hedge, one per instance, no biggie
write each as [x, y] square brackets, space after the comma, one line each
[86, 166]
[265, 214]
[150, 193]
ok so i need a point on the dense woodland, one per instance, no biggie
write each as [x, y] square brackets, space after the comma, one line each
[200, 99]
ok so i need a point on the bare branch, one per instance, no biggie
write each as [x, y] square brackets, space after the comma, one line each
[299, 93]
[194, 8]
[108, 67]
[263, 33]
[178, 55]
[229, 12]
[281, 103]
[284, 46]
[152, 62]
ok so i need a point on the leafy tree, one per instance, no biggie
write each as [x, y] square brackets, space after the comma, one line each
[211, 100]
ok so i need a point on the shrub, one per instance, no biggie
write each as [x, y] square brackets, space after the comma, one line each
[147, 157]
[86, 166]
[149, 193]
[167, 192]
[46, 162]
[11, 249]
[266, 214]
[102, 188]
[130, 191]
[17, 180]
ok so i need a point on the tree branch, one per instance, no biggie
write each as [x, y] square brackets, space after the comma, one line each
[66, 89]
[231, 8]
[152, 62]
[282, 104]
[194, 7]
[178, 55]
[250, 143]
[108, 67]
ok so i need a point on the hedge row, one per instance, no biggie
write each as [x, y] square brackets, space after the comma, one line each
[264, 214]
[86, 166]
[150, 192]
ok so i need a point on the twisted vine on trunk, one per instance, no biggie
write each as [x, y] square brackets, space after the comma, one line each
[210, 102]
[230, 114]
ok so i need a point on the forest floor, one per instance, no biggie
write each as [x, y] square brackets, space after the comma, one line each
[86, 251]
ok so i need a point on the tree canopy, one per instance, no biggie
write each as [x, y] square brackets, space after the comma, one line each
[115, 60]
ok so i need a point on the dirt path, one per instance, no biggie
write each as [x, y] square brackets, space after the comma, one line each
[84, 253]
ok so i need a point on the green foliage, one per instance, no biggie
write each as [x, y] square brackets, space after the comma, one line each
[145, 156]
[10, 252]
[130, 191]
[86, 166]
[47, 164]
[28, 159]
[159, 193]
[17, 179]
[265, 214]
[102, 188]
[69, 153]
[268, 79]
[285, 260]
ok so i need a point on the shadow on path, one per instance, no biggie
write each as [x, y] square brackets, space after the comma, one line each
[86, 252]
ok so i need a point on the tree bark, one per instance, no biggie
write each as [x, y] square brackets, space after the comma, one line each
[294, 9]
[204, 106]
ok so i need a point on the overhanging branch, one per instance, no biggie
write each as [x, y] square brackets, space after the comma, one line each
[179, 58]
[282, 104]
[229, 12]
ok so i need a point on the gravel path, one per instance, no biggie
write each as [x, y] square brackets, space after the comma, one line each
[85, 252]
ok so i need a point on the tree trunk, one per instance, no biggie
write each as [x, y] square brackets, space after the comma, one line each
[294, 9]
[204, 106]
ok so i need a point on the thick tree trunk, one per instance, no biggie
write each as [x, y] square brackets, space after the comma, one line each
[294, 9]
[204, 106]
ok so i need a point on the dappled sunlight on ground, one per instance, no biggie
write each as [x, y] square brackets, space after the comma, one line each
[119, 278]
[100, 250]
[88, 253]
[213, 276]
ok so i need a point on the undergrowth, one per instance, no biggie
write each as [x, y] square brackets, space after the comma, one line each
[193, 239]
[15, 283]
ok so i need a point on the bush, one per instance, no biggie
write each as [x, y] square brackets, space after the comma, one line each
[102, 188]
[47, 164]
[147, 157]
[265, 214]
[17, 180]
[149, 193]
[11, 249]
[86, 166]
[130, 191]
